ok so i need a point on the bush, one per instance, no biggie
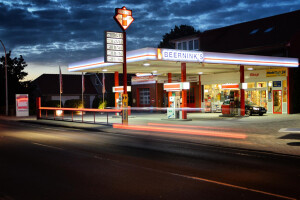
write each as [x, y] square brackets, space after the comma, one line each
[102, 105]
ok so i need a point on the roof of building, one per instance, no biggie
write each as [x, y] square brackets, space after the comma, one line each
[72, 84]
[270, 32]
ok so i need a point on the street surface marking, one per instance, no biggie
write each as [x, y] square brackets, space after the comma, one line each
[233, 186]
[198, 179]
[47, 146]
[289, 130]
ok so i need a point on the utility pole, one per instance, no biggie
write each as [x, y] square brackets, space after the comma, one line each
[6, 92]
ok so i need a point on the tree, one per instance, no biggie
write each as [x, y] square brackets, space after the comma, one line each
[177, 32]
[15, 73]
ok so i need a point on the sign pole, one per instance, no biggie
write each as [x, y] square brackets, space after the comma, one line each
[125, 95]
[124, 64]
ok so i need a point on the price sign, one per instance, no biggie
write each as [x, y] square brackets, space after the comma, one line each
[114, 47]
[114, 53]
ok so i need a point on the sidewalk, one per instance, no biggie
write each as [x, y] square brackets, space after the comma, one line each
[271, 133]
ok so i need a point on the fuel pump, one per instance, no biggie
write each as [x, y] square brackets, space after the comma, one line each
[173, 110]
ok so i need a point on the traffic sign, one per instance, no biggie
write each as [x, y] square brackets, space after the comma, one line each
[123, 17]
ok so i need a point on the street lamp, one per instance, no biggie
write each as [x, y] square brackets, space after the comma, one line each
[6, 96]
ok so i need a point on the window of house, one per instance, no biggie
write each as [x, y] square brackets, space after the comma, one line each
[184, 46]
[179, 45]
[196, 44]
[269, 29]
[191, 45]
[144, 94]
[254, 31]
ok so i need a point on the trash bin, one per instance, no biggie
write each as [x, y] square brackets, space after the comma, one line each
[225, 109]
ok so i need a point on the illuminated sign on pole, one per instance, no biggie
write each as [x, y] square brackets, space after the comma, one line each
[22, 106]
[114, 46]
[123, 17]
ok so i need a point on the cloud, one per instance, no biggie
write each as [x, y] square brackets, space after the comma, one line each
[63, 31]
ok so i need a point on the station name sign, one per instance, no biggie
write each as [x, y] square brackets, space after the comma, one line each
[114, 46]
[180, 55]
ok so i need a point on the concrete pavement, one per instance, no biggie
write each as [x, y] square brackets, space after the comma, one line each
[270, 133]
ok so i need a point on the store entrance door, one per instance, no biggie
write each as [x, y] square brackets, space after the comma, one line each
[277, 101]
[191, 93]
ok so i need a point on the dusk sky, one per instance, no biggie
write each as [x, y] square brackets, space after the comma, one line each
[49, 33]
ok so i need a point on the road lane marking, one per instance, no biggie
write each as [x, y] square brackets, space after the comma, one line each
[197, 178]
[44, 145]
[233, 186]
[289, 130]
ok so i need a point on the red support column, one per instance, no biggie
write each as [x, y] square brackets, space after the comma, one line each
[169, 93]
[242, 80]
[156, 95]
[116, 84]
[184, 92]
[200, 92]
[38, 110]
[288, 91]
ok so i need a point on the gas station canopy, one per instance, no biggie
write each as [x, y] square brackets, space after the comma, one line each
[163, 61]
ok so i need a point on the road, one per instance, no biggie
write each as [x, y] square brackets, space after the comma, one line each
[42, 162]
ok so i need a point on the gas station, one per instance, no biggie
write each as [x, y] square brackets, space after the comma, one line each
[206, 65]
[263, 80]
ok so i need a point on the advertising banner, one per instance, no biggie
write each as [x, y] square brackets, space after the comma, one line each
[139, 80]
[22, 105]
[276, 72]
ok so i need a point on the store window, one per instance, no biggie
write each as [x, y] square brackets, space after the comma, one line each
[196, 44]
[184, 46]
[191, 45]
[251, 85]
[144, 94]
[284, 89]
[214, 96]
[261, 84]
[179, 45]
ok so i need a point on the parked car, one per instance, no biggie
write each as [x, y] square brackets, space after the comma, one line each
[250, 108]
